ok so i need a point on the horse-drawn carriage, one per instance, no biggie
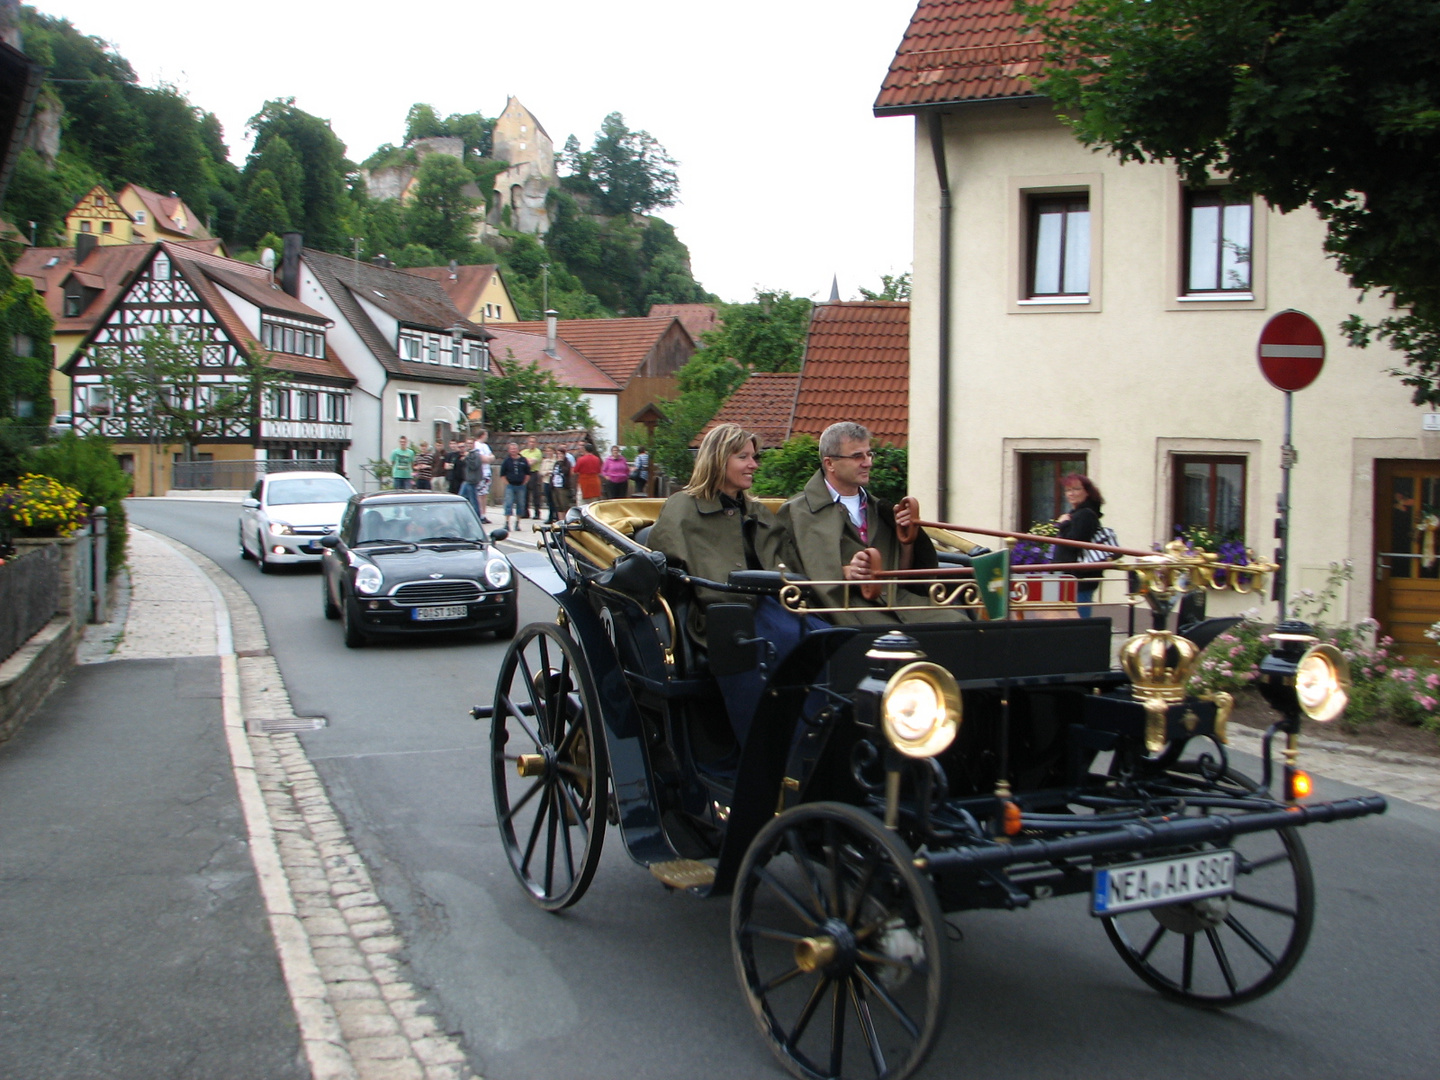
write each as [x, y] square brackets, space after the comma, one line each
[896, 773]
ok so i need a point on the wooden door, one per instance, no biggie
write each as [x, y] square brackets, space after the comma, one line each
[1407, 552]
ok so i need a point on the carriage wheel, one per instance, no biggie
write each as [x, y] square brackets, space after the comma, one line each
[1227, 950]
[838, 945]
[548, 766]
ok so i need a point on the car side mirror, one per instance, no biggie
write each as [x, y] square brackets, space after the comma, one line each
[330, 540]
[730, 637]
[496, 535]
[251, 504]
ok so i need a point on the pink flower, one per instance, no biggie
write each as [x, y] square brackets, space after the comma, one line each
[1427, 702]
[1433, 680]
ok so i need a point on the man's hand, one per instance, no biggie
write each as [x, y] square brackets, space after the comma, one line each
[859, 568]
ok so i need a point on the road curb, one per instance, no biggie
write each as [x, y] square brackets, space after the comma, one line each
[360, 1017]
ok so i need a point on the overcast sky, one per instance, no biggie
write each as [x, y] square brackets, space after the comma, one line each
[786, 178]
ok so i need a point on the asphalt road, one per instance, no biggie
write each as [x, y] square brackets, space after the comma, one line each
[634, 983]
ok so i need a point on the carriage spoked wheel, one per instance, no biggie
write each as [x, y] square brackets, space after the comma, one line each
[548, 766]
[1227, 950]
[839, 945]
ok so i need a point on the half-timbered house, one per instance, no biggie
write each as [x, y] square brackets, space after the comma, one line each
[225, 315]
[413, 354]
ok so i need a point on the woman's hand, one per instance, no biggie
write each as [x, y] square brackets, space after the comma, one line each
[1062, 519]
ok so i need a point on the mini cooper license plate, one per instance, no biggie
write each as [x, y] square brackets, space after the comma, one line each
[1131, 886]
[433, 614]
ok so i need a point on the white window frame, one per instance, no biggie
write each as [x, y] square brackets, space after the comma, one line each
[1173, 275]
[1023, 190]
[407, 405]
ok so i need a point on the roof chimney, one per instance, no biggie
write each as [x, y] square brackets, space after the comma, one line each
[290, 263]
[550, 322]
[84, 244]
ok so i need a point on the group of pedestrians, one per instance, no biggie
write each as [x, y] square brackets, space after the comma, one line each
[540, 483]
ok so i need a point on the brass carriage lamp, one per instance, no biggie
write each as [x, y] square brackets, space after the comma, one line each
[1301, 675]
[915, 702]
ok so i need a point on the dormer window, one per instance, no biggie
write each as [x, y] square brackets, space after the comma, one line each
[139, 217]
[160, 268]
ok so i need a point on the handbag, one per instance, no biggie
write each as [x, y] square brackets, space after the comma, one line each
[1103, 535]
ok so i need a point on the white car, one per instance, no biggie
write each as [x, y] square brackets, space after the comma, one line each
[286, 514]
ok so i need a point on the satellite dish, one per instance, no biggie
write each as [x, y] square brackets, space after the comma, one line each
[267, 258]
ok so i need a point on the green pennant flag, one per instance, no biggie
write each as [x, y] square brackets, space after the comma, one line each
[992, 575]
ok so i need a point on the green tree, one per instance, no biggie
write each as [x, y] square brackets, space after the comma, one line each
[264, 211]
[705, 382]
[324, 208]
[767, 334]
[421, 122]
[892, 287]
[1332, 104]
[631, 170]
[90, 466]
[526, 397]
[178, 158]
[785, 470]
[25, 327]
[440, 214]
[164, 395]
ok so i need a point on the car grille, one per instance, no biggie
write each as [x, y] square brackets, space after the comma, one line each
[437, 592]
[312, 530]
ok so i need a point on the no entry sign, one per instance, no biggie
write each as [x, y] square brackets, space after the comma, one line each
[1292, 350]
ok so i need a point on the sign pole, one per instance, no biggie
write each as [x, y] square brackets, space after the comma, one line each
[1291, 352]
[1282, 523]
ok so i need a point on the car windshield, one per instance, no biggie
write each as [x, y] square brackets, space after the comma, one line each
[415, 522]
[309, 489]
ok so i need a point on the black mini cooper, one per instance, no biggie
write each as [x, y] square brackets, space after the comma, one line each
[407, 562]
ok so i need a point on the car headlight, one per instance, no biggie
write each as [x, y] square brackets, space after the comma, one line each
[497, 572]
[1322, 682]
[368, 579]
[281, 528]
[920, 709]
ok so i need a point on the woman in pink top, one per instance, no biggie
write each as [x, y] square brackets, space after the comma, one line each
[616, 474]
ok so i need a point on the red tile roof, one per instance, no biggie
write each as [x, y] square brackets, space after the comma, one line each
[696, 318]
[857, 367]
[162, 210]
[763, 404]
[616, 346]
[465, 289]
[962, 50]
[569, 365]
[108, 267]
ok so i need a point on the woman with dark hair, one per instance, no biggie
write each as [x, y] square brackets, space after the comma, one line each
[1081, 523]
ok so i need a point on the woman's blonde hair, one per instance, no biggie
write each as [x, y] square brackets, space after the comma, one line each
[714, 455]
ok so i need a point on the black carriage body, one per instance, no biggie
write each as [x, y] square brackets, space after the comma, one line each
[1040, 703]
[840, 852]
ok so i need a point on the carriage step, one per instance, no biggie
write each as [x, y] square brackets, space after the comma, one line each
[684, 873]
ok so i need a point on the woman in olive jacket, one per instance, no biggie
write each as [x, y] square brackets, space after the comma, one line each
[713, 527]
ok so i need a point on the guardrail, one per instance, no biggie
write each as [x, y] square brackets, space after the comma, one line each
[238, 475]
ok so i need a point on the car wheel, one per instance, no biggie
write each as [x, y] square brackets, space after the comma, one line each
[244, 551]
[350, 621]
[266, 566]
[327, 604]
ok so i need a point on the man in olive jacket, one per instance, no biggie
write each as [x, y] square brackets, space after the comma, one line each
[834, 520]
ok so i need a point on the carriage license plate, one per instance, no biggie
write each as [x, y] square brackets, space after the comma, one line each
[1131, 886]
[431, 614]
